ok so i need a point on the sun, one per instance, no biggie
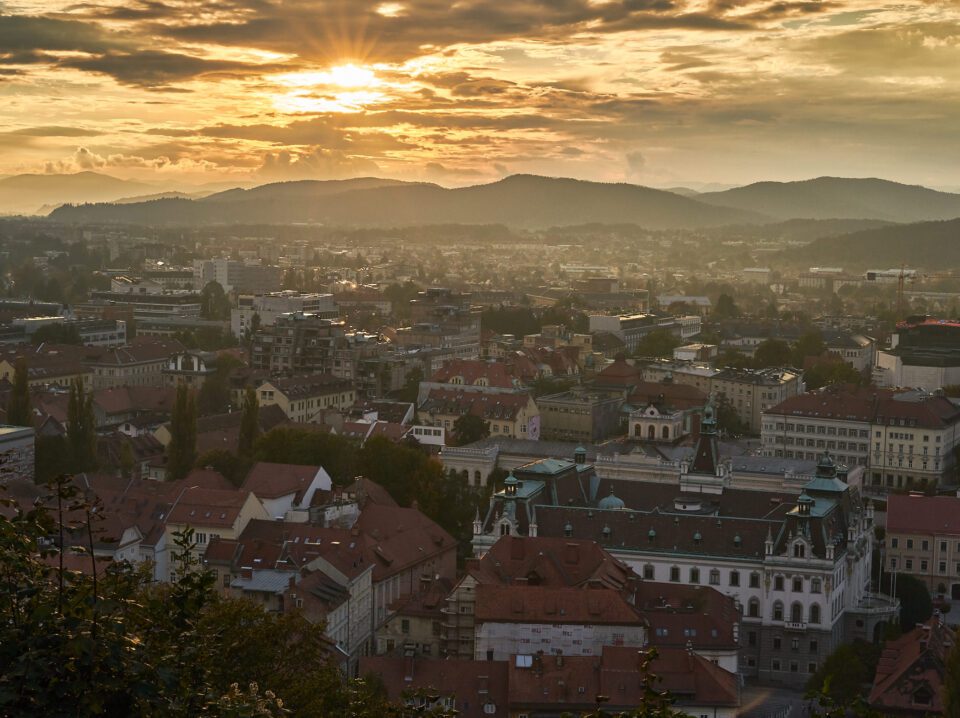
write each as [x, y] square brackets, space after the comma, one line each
[348, 76]
[347, 87]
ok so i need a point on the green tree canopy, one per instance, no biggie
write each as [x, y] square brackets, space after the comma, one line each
[469, 428]
[658, 343]
[19, 412]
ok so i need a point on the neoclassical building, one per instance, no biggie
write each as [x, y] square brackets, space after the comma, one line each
[797, 561]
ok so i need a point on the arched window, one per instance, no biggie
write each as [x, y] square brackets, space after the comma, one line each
[778, 611]
[815, 585]
[476, 477]
[504, 529]
[714, 577]
[796, 613]
[815, 614]
[753, 608]
[666, 432]
[694, 575]
[674, 573]
[797, 584]
[638, 431]
[651, 432]
[754, 580]
[734, 578]
[648, 572]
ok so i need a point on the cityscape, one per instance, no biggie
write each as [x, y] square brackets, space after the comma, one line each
[587, 358]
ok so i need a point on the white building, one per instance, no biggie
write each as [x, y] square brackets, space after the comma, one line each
[269, 306]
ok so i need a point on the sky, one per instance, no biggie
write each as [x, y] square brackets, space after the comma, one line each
[653, 92]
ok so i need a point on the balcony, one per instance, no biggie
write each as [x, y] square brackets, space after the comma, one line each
[795, 626]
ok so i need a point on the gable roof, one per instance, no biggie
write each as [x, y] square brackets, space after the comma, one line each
[268, 480]
[910, 664]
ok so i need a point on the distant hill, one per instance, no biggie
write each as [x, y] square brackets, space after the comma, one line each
[839, 198]
[518, 201]
[30, 193]
[928, 245]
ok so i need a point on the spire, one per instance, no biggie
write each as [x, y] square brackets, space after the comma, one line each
[706, 456]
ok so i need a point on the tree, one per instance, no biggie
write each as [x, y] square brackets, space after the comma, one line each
[831, 371]
[19, 412]
[772, 353]
[232, 467]
[726, 308]
[728, 420]
[112, 642]
[658, 343]
[809, 344]
[127, 459]
[81, 427]
[916, 606]
[469, 428]
[845, 672]
[411, 386]
[182, 451]
[214, 303]
[57, 334]
[249, 422]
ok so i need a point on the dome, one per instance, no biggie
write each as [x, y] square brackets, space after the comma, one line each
[611, 502]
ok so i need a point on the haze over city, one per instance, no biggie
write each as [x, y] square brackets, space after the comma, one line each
[479, 358]
[656, 92]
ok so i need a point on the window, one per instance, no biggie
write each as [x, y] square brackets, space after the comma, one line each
[909, 564]
[942, 567]
[753, 608]
[925, 545]
[794, 667]
[777, 643]
[794, 644]
[796, 613]
[694, 575]
[815, 585]
[778, 583]
[674, 573]
[923, 565]
[751, 638]
[797, 584]
[778, 611]
[775, 664]
[714, 577]
[909, 543]
[648, 572]
[894, 542]
[815, 614]
[754, 580]
[811, 668]
[734, 578]
[814, 646]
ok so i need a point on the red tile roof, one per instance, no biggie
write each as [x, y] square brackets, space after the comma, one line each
[475, 684]
[268, 480]
[869, 404]
[541, 604]
[913, 666]
[470, 372]
[548, 561]
[486, 406]
[908, 513]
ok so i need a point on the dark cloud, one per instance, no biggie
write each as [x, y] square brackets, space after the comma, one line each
[53, 131]
[153, 68]
[29, 35]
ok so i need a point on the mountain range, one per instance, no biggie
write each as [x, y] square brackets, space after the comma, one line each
[526, 201]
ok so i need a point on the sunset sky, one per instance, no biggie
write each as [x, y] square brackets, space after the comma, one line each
[656, 92]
